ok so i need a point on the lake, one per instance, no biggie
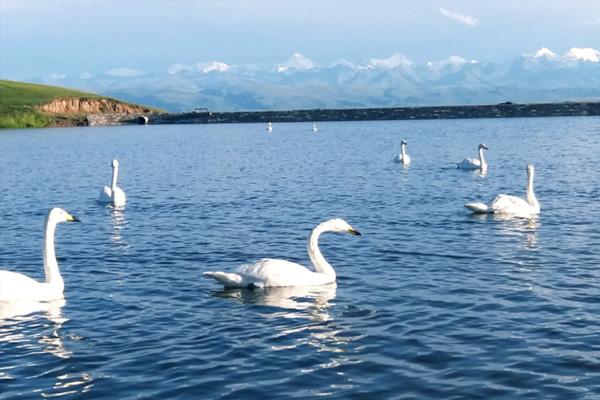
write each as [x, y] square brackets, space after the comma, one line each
[431, 301]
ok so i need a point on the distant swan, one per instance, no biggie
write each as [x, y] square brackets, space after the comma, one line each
[402, 157]
[113, 194]
[15, 286]
[315, 127]
[511, 205]
[269, 127]
[270, 272]
[473, 163]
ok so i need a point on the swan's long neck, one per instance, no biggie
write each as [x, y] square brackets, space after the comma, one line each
[115, 174]
[482, 162]
[50, 265]
[531, 199]
[403, 150]
[321, 265]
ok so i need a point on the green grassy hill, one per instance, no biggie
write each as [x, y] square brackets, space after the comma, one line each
[19, 103]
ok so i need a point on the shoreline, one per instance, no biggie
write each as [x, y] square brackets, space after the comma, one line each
[502, 110]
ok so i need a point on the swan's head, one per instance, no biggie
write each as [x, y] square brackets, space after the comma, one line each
[483, 146]
[115, 164]
[59, 215]
[403, 142]
[339, 225]
[530, 169]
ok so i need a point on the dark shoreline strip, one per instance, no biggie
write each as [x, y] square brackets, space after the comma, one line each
[503, 110]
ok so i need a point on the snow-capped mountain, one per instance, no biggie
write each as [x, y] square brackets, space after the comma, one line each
[296, 62]
[299, 82]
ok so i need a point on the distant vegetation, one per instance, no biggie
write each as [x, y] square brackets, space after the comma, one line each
[19, 104]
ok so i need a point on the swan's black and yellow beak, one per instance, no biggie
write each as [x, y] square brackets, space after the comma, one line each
[72, 218]
[354, 232]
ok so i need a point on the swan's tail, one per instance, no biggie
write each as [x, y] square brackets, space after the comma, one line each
[225, 278]
[479, 208]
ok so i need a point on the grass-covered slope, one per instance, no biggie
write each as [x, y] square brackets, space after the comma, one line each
[20, 102]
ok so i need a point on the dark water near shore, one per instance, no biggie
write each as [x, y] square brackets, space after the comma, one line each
[431, 302]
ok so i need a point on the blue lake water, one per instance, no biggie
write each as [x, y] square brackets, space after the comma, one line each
[431, 302]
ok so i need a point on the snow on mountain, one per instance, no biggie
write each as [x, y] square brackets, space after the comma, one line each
[394, 61]
[454, 62]
[211, 66]
[203, 67]
[296, 62]
[583, 54]
[545, 53]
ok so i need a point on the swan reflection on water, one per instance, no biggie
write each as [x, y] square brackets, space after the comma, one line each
[14, 315]
[313, 299]
[515, 226]
[300, 303]
[119, 222]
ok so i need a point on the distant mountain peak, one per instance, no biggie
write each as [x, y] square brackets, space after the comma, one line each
[296, 62]
[212, 66]
[394, 61]
[584, 54]
[544, 52]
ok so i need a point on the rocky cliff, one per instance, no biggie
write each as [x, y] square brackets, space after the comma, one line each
[90, 106]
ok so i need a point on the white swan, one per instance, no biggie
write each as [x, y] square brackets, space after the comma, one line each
[15, 286]
[113, 194]
[271, 272]
[473, 163]
[511, 205]
[269, 127]
[315, 127]
[402, 157]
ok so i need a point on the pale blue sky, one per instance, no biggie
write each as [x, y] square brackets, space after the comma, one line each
[39, 38]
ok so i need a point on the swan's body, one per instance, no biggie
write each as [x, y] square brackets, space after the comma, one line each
[113, 194]
[402, 157]
[269, 127]
[16, 286]
[274, 273]
[474, 163]
[511, 205]
[315, 127]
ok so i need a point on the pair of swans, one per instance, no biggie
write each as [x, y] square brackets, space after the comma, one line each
[113, 195]
[15, 286]
[511, 205]
[402, 157]
[475, 163]
[270, 272]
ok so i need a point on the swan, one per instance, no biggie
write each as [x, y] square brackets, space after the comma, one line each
[402, 157]
[315, 127]
[270, 272]
[15, 286]
[473, 163]
[113, 194]
[269, 127]
[511, 205]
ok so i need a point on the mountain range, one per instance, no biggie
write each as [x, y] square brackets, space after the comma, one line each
[300, 83]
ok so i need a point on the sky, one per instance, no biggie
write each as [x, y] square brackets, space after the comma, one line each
[73, 37]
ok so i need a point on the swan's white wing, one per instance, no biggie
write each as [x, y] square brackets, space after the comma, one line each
[272, 272]
[105, 195]
[468, 163]
[15, 286]
[406, 159]
[505, 204]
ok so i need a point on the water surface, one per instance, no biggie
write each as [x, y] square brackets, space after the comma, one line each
[431, 302]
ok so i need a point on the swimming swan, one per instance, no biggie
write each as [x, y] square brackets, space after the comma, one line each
[15, 286]
[113, 194]
[402, 157]
[270, 272]
[473, 163]
[511, 205]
